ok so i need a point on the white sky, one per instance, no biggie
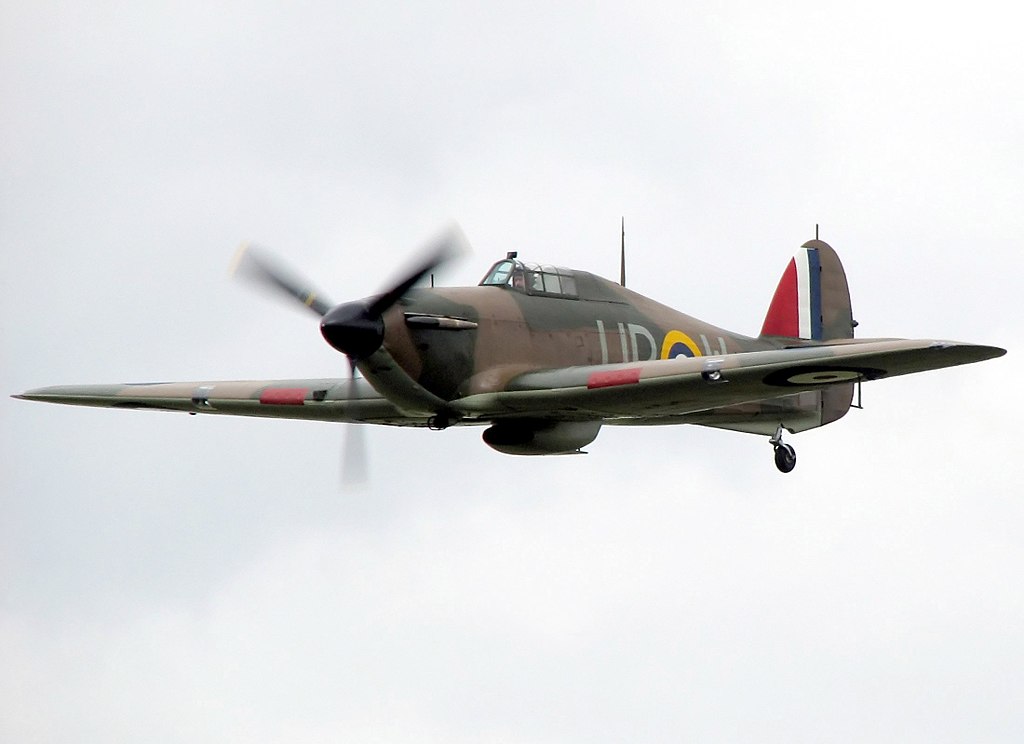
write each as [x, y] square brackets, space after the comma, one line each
[173, 578]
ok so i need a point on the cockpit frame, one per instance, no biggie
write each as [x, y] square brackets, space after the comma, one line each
[532, 279]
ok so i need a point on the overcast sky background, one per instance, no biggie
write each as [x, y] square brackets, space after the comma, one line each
[171, 578]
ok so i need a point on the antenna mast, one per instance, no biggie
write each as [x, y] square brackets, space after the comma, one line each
[622, 257]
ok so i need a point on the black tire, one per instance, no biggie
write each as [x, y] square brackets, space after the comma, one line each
[785, 458]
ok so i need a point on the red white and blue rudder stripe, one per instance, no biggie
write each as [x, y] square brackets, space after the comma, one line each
[795, 311]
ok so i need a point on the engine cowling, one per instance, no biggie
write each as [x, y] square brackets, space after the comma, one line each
[541, 437]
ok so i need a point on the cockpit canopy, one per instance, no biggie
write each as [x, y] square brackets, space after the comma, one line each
[532, 279]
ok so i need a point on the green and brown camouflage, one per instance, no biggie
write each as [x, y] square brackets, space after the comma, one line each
[545, 356]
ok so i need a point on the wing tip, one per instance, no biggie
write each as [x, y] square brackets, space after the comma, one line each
[977, 352]
[43, 394]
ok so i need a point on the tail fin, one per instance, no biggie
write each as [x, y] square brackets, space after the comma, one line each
[812, 300]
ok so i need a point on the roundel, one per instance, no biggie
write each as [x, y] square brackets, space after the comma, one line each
[813, 375]
[677, 343]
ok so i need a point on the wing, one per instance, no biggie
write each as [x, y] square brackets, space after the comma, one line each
[654, 392]
[662, 390]
[315, 400]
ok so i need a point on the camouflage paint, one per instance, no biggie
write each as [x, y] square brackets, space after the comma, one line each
[551, 369]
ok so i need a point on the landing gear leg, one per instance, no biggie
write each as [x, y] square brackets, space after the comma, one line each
[785, 455]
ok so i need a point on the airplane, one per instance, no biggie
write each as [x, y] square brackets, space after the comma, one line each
[543, 357]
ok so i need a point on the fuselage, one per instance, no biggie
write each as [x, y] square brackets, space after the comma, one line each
[466, 340]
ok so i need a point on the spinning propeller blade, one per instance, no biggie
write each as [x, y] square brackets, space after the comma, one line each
[354, 467]
[448, 245]
[356, 329]
[260, 268]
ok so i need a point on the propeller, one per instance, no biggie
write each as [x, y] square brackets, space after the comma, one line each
[356, 328]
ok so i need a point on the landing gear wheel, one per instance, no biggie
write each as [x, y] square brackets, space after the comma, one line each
[439, 422]
[785, 457]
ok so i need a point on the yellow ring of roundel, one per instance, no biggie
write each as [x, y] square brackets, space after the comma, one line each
[672, 343]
